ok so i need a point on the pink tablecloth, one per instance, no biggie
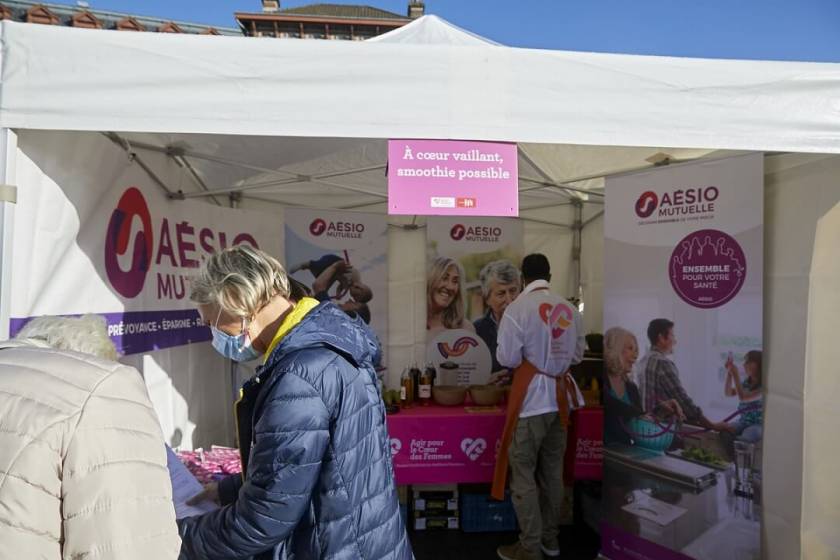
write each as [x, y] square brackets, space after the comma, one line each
[445, 445]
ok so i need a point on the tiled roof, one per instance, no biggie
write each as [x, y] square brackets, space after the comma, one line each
[109, 19]
[343, 11]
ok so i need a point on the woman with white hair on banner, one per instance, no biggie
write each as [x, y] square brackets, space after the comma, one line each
[82, 457]
[501, 282]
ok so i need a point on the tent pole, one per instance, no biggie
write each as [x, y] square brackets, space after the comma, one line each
[542, 173]
[280, 202]
[280, 182]
[348, 188]
[232, 163]
[546, 222]
[540, 184]
[361, 205]
[181, 155]
[134, 158]
[234, 200]
[176, 150]
[540, 206]
[244, 188]
[8, 199]
[196, 177]
[577, 245]
[592, 219]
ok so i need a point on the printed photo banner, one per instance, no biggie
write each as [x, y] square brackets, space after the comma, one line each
[453, 178]
[460, 322]
[119, 248]
[685, 243]
[342, 257]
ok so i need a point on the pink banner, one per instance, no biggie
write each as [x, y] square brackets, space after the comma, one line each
[584, 458]
[452, 178]
[444, 445]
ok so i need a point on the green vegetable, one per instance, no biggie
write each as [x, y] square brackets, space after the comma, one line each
[703, 456]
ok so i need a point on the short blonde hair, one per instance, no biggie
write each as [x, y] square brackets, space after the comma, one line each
[240, 280]
[614, 340]
[87, 334]
[453, 315]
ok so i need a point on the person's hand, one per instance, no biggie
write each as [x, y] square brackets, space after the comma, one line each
[342, 267]
[501, 377]
[723, 427]
[673, 408]
[210, 493]
[730, 365]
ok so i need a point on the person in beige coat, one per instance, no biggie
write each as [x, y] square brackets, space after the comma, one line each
[82, 458]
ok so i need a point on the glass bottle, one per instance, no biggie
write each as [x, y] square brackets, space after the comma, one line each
[430, 368]
[415, 378]
[406, 389]
[424, 391]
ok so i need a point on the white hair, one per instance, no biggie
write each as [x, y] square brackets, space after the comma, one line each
[502, 272]
[240, 280]
[614, 340]
[87, 334]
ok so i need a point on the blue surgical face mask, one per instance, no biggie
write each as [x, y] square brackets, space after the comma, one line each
[238, 348]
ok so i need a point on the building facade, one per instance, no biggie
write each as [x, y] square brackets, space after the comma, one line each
[325, 21]
[84, 17]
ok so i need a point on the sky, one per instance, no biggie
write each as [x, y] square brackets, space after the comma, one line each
[805, 30]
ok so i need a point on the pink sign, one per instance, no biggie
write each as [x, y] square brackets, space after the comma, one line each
[452, 178]
[444, 445]
[584, 459]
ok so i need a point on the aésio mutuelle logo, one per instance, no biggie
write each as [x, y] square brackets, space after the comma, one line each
[137, 245]
[339, 230]
[480, 234]
[697, 201]
[646, 204]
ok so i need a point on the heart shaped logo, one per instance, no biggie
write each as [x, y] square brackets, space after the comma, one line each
[396, 446]
[473, 448]
[558, 317]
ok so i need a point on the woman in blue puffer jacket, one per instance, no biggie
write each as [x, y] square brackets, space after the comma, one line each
[317, 482]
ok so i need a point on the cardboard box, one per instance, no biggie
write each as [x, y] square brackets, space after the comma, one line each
[435, 522]
[435, 491]
[436, 504]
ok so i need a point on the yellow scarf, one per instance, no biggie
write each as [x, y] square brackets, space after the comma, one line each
[294, 317]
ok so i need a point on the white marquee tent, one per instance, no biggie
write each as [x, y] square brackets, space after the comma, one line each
[305, 123]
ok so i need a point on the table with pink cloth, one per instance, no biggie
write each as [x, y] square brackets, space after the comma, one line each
[445, 444]
[429, 445]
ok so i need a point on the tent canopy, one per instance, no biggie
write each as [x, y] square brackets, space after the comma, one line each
[432, 30]
[314, 113]
[78, 79]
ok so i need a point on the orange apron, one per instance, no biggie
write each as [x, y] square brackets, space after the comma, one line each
[522, 377]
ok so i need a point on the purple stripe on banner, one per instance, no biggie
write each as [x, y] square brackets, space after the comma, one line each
[621, 545]
[134, 332]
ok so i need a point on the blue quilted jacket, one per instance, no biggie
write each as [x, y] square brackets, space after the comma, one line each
[319, 481]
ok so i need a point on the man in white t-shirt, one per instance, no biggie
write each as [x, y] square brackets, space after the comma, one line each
[547, 331]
